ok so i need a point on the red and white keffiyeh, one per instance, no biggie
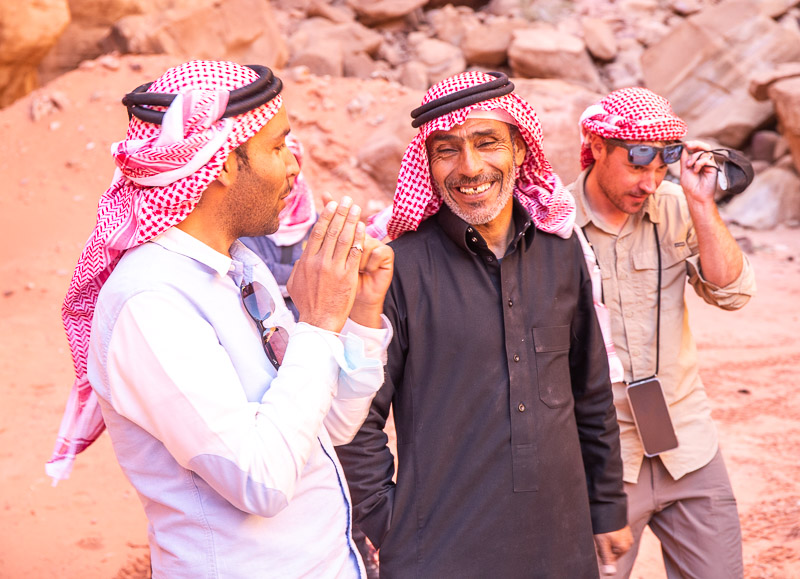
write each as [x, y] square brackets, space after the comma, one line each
[630, 114]
[299, 215]
[538, 188]
[161, 173]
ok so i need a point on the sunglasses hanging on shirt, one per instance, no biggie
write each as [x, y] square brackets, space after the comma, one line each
[259, 304]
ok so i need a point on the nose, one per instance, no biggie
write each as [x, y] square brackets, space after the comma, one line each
[292, 166]
[649, 182]
[470, 163]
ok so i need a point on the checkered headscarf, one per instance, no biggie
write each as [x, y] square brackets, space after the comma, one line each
[630, 114]
[538, 188]
[162, 170]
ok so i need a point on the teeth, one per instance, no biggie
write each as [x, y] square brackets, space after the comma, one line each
[474, 190]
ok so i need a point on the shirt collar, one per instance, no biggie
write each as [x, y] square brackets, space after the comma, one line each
[178, 241]
[462, 232]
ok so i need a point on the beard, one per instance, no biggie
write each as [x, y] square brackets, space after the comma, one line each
[485, 212]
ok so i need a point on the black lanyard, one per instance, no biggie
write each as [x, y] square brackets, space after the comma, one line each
[658, 315]
[658, 290]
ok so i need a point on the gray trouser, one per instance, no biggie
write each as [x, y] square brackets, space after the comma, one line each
[695, 518]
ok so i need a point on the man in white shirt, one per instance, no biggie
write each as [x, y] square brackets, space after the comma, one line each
[223, 411]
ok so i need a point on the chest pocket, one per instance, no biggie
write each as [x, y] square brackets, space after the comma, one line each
[670, 257]
[552, 365]
[673, 272]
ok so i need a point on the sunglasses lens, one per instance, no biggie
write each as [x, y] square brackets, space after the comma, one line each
[642, 154]
[735, 170]
[260, 305]
[736, 177]
[257, 300]
[275, 342]
[672, 153]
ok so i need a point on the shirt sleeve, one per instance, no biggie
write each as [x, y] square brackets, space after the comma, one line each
[598, 430]
[730, 297]
[182, 388]
[360, 377]
[367, 461]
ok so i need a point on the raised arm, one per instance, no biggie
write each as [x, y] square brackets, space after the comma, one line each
[721, 259]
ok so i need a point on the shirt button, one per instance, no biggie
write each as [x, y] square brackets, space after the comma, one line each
[474, 240]
[635, 353]
[628, 314]
[516, 357]
[490, 258]
[469, 229]
[521, 407]
[510, 302]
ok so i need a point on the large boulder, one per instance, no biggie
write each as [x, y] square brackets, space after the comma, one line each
[486, 44]
[785, 94]
[441, 59]
[90, 24]
[772, 198]
[599, 38]
[28, 30]
[450, 23]
[326, 47]
[704, 64]
[372, 12]
[544, 52]
[474, 4]
[239, 30]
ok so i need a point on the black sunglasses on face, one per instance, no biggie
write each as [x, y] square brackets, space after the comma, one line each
[259, 304]
[644, 154]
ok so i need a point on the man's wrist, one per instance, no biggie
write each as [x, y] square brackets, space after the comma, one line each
[367, 315]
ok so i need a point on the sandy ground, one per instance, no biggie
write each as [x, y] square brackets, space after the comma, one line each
[92, 525]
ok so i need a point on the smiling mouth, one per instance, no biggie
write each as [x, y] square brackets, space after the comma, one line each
[474, 190]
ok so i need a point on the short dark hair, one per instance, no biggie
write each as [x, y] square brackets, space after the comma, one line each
[610, 145]
[242, 158]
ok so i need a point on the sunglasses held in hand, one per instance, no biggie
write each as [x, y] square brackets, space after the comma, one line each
[734, 171]
[259, 304]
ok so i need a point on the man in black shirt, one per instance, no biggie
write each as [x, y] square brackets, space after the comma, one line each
[507, 440]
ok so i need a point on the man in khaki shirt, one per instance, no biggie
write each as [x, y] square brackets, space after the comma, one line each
[638, 223]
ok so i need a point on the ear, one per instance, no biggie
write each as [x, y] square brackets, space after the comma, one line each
[521, 149]
[229, 171]
[597, 145]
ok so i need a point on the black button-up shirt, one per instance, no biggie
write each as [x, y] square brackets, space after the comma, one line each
[506, 431]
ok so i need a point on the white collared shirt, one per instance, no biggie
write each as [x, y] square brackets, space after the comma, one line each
[233, 460]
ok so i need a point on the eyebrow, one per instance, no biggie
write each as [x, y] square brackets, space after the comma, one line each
[479, 133]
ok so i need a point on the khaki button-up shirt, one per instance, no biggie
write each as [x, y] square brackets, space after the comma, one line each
[629, 267]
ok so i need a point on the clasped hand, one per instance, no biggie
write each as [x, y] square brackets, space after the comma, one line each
[342, 272]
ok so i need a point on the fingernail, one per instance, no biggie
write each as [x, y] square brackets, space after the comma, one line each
[331, 206]
[346, 201]
[608, 569]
